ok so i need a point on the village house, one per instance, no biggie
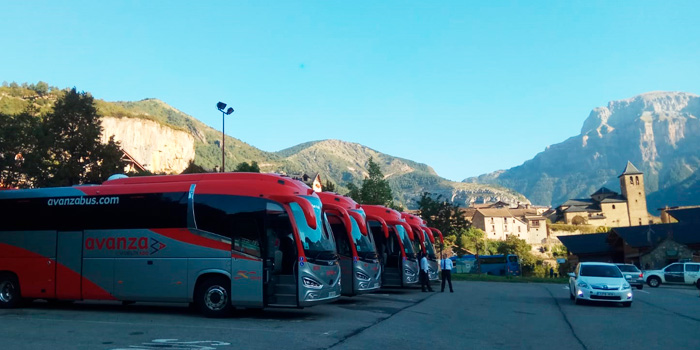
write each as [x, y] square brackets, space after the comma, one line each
[500, 222]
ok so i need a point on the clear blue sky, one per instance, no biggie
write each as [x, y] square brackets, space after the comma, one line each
[467, 87]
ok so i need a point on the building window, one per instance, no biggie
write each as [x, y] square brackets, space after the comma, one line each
[640, 221]
[631, 180]
[637, 178]
[493, 228]
[518, 229]
[492, 220]
[613, 206]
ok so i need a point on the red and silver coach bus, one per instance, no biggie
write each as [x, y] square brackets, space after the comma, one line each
[359, 263]
[392, 237]
[422, 241]
[216, 240]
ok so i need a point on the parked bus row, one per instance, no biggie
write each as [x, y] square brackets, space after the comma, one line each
[217, 241]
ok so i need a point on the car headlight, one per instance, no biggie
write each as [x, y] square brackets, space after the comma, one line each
[582, 284]
[625, 286]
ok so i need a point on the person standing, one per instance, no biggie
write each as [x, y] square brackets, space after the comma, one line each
[446, 266]
[424, 279]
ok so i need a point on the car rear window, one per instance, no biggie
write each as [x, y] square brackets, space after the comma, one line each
[692, 268]
[628, 268]
[600, 271]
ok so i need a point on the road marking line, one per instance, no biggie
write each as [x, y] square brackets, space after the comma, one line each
[567, 288]
[643, 291]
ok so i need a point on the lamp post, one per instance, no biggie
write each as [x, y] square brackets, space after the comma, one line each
[224, 112]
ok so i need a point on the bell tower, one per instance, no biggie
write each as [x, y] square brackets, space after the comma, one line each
[632, 186]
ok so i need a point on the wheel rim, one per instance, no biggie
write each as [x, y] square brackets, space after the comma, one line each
[654, 282]
[216, 298]
[7, 291]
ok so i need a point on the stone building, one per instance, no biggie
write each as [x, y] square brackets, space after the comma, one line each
[497, 223]
[608, 208]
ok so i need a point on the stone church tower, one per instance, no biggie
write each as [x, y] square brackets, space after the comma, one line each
[632, 186]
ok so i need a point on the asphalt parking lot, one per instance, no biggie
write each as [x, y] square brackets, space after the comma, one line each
[483, 315]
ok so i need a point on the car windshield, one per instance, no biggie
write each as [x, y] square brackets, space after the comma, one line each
[407, 247]
[628, 268]
[600, 271]
[362, 242]
[314, 241]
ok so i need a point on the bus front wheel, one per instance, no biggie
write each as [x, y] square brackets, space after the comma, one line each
[213, 297]
[10, 295]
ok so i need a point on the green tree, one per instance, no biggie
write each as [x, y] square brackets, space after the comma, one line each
[329, 186]
[18, 148]
[519, 247]
[193, 169]
[441, 214]
[41, 88]
[244, 167]
[375, 189]
[70, 143]
[354, 192]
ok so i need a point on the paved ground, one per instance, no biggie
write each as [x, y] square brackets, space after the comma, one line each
[480, 315]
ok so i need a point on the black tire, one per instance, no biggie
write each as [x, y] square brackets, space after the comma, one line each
[578, 301]
[627, 304]
[213, 297]
[641, 286]
[571, 295]
[10, 293]
[654, 282]
[697, 284]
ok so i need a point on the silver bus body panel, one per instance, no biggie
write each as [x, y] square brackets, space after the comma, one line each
[326, 275]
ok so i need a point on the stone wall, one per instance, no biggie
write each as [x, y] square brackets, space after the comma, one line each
[665, 253]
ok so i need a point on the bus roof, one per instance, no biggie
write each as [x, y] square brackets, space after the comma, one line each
[330, 199]
[390, 216]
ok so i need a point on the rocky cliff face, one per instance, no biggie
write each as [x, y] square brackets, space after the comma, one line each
[159, 148]
[658, 131]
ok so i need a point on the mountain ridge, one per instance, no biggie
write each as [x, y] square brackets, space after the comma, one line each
[657, 131]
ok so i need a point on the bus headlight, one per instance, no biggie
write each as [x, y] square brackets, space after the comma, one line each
[311, 283]
[361, 276]
[409, 272]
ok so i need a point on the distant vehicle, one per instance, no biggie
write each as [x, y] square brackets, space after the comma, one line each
[632, 274]
[497, 265]
[599, 282]
[676, 273]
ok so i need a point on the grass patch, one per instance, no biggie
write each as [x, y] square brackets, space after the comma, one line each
[511, 279]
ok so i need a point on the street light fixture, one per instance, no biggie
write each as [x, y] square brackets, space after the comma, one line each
[224, 112]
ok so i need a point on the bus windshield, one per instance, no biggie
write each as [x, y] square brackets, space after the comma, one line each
[318, 241]
[429, 246]
[364, 246]
[407, 244]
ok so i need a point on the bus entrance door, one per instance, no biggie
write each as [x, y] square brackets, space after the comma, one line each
[69, 267]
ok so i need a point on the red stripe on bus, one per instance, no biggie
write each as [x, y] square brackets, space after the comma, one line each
[37, 276]
[184, 235]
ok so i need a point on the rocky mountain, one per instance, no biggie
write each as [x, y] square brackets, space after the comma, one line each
[659, 132]
[164, 140]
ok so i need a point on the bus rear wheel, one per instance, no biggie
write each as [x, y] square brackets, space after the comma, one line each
[10, 295]
[213, 297]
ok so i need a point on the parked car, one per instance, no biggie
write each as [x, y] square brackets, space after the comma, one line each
[676, 273]
[599, 282]
[632, 274]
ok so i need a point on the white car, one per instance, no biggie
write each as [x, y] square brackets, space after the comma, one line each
[599, 282]
[679, 273]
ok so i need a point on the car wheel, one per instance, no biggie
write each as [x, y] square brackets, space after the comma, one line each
[654, 281]
[578, 301]
[627, 304]
[213, 297]
[10, 294]
[571, 295]
[641, 286]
